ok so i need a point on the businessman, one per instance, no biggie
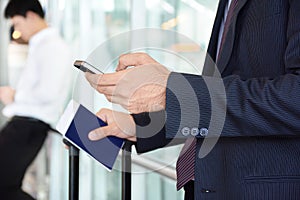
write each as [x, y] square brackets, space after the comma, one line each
[38, 99]
[256, 47]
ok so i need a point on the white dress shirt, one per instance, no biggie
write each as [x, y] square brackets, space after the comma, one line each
[45, 83]
[222, 26]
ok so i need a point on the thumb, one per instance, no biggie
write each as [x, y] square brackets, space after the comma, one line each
[100, 133]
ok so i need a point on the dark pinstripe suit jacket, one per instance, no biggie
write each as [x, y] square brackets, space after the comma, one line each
[258, 153]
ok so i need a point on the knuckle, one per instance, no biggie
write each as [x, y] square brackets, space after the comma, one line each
[99, 89]
[125, 106]
[131, 108]
[115, 130]
[99, 112]
[103, 110]
[109, 98]
[122, 57]
[100, 79]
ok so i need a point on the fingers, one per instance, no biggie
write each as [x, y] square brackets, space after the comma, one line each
[1, 93]
[105, 83]
[101, 133]
[119, 124]
[134, 59]
[125, 60]
[136, 89]
[108, 79]
[100, 83]
[7, 95]
[106, 90]
[104, 114]
[109, 130]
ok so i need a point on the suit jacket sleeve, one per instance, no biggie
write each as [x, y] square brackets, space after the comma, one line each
[246, 107]
[151, 133]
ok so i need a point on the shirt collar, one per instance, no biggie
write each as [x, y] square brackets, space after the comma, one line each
[36, 38]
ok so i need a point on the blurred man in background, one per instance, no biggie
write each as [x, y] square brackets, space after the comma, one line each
[38, 99]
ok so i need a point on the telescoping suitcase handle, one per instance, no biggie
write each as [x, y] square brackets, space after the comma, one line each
[126, 170]
[74, 171]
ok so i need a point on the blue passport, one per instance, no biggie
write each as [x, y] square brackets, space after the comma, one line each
[75, 125]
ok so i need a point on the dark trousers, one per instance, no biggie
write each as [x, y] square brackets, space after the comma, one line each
[20, 141]
[189, 191]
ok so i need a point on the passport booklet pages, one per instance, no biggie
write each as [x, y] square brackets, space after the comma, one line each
[75, 125]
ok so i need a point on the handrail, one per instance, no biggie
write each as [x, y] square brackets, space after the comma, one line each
[157, 167]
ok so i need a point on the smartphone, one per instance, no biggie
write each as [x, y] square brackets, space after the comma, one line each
[75, 125]
[86, 67]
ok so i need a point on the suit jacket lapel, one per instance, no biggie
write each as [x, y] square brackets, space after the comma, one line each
[227, 48]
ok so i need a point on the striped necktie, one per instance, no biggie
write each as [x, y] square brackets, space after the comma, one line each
[185, 163]
[230, 13]
[185, 167]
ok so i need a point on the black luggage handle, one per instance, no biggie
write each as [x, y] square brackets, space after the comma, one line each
[74, 171]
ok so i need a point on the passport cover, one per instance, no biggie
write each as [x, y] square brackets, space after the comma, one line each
[75, 125]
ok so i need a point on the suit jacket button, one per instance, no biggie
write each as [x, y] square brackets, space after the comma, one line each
[203, 132]
[185, 131]
[194, 131]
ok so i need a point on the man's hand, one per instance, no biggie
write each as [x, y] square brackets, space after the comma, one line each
[118, 124]
[138, 89]
[7, 95]
[134, 59]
